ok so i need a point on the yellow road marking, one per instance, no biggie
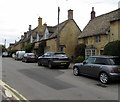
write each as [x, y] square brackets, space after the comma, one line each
[4, 84]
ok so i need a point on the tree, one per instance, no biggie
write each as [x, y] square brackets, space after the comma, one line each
[112, 48]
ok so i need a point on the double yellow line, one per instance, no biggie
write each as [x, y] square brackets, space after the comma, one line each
[12, 91]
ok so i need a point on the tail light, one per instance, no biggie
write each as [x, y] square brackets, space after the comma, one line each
[111, 70]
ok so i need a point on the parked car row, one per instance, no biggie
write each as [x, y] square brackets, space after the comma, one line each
[105, 68]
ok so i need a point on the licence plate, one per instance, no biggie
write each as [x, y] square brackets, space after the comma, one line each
[63, 63]
[119, 69]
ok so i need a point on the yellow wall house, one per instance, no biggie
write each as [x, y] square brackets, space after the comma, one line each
[63, 37]
[99, 31]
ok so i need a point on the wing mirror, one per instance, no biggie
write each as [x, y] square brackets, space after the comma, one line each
[84, 62]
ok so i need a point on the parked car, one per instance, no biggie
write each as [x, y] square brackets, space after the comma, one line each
[5, 54]
[30, 57]
[105, 68]
[53, 59]
[19, 55]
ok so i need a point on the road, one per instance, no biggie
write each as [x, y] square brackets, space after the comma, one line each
[41, 83]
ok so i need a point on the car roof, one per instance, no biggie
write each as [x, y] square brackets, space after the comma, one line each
[104, 56]
[56, 52]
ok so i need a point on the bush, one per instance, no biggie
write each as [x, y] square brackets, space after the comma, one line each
[11, 52]
[28, 48]
[41, 48]
[112, 48]
[78, 59]
[80, 50]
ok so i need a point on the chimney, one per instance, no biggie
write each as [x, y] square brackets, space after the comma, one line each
[29, 28]
[45, 24]
[92, 14]
[25, 34]
[22, 37]
[70, 14]
[39, 21]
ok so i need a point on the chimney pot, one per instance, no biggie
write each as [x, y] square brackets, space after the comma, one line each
[29, 27]
[25, 34]
[92, 13]
[39, 21]
[70, 14]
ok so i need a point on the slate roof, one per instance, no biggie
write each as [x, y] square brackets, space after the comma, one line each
[101, 24]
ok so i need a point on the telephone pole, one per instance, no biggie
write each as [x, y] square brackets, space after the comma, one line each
[58, 36]
[5, 43]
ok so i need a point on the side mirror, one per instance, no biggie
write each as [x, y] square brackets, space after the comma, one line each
[84, 62]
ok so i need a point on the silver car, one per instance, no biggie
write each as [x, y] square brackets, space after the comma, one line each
[105, 68]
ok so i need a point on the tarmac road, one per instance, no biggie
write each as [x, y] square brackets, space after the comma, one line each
[41, 83]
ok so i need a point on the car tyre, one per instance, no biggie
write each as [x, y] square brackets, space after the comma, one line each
[76, 71]
[26, 61]
[104, 78]
[39, 63]
[50, 65]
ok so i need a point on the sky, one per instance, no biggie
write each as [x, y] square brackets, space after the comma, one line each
[17, 15]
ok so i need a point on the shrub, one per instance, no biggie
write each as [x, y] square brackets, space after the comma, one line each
[78, 59]
[41, 48]
[11, 52]
[80, 50]
[28, 48]
[112, 48]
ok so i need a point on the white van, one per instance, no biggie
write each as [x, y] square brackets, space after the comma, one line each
[19, 55]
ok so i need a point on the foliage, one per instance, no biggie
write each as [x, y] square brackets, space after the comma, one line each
[41, 48]
[28, 48]
[3, 48]
[11, 52]
[80, 50]
[112, 48]
[78, 59]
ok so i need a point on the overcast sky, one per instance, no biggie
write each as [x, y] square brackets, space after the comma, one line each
[17, 15]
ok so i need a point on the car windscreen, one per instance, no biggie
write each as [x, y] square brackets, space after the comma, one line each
[115, 61]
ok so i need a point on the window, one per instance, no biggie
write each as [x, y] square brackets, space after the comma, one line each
[90, 60]
[97, 39]
[102, 61]
[90, 52]
[61, 49]
[86, 41]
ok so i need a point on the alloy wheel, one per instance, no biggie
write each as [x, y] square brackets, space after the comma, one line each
[104, 78]
[76, 71]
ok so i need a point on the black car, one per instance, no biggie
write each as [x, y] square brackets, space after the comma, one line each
[105, 68]
[30, 57]
[53, 59]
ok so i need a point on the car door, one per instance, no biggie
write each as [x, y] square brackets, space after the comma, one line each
[97, 67]
[88, 66]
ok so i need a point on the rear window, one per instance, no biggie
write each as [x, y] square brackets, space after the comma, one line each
[60, 55]
[115, 61]
[31, 54]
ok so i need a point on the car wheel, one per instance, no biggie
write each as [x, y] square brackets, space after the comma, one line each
[25, 60]
[76, 71]
[49, 65]
[104, 78]
[39, 63]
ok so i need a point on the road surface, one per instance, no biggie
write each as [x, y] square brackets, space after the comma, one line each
[41, 83]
